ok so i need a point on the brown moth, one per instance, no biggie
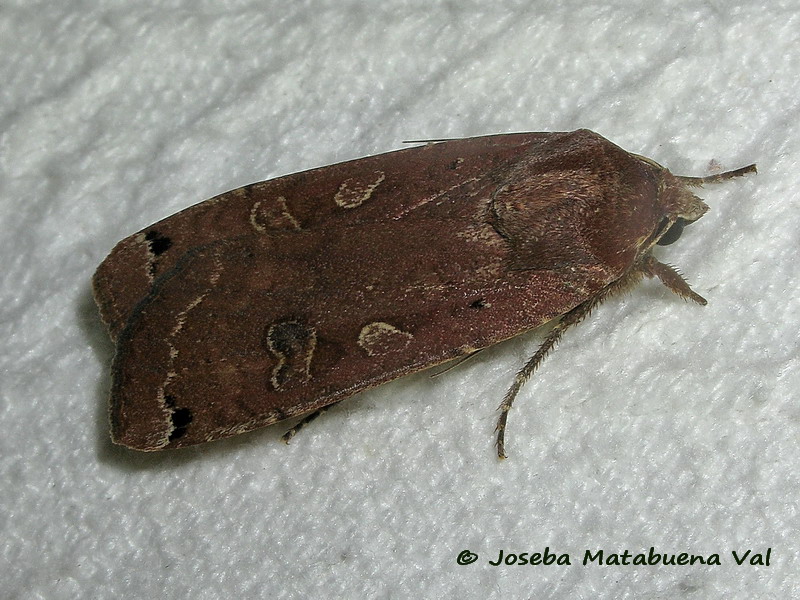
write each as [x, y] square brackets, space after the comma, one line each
[280, 298]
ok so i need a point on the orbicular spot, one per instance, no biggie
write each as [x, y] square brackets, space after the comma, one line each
[271, 213]
[381, 338]
[292, 342]
[355, 191]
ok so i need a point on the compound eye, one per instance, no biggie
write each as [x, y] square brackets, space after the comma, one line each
[673, 233]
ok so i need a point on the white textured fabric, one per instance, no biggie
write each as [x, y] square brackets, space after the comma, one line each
[656, 423]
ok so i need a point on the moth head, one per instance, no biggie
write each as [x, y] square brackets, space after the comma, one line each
[684, 209]
[681, 206]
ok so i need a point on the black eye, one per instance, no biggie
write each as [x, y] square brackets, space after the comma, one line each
[673, 233]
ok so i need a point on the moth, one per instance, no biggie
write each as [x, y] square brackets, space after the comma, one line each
[281, 298]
